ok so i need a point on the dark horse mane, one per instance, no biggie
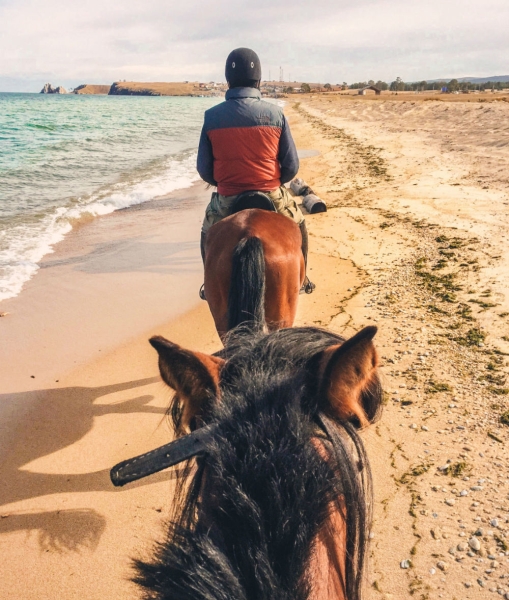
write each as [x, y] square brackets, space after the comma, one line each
[247, 521]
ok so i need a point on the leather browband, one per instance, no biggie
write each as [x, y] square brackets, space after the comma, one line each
[161, 458]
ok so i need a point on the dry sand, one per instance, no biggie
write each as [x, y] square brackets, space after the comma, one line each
[411, 242]
[421, 197]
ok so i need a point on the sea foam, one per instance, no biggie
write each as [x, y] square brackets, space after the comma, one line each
[23, 246]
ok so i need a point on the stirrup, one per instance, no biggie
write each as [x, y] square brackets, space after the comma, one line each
[307, 287]
[201, 293]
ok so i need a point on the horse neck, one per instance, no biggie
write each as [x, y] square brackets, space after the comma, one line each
[327, 567]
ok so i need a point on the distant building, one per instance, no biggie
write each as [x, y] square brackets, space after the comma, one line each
[372, 88]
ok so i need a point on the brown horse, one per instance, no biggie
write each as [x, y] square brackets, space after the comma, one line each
[254, 269]
[278, 506]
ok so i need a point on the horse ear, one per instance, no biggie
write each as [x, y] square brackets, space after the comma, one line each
[346, 371]
[194, 377]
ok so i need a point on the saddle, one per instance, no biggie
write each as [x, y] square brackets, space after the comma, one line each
[256, 199]
[252, 199]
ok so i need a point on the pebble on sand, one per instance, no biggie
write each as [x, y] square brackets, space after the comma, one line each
[474, 543]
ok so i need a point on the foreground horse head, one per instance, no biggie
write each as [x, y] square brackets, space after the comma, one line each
[254, 269]
[278, 507]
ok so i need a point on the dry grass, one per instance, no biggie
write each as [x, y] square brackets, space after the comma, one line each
[414, 97]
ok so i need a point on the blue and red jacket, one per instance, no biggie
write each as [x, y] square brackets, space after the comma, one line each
[246, 144]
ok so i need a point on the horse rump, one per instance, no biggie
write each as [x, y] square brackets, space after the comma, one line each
[246, 299]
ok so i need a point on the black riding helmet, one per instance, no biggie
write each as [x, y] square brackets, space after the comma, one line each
[243, 68]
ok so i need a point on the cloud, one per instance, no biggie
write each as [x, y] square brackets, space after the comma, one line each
[326, 40]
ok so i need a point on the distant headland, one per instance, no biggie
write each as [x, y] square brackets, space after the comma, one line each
[133, 88]
[88, 88]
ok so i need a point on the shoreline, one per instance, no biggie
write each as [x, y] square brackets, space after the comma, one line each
[82, 300]
[61, 221]
[77, 160]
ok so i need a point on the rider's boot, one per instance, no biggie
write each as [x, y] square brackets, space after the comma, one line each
[308, 286]
[201, 293]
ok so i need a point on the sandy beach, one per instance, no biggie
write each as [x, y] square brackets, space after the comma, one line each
[414, 241]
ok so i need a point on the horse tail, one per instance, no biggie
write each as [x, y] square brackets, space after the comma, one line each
[246, 299]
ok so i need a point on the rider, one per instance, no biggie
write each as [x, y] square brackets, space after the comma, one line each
[246, 145]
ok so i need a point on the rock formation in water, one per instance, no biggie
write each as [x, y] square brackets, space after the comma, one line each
[49, 89]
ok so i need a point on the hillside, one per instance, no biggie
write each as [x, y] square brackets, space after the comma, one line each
[132, 88]
[494, 79]
[88, 88]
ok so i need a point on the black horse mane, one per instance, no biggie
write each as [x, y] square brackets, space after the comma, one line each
[248, 519]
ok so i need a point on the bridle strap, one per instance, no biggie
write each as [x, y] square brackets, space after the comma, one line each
[163, 457]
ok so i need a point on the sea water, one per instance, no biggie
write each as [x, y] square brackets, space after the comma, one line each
[65, 159]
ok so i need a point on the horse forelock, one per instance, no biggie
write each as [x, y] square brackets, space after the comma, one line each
[259, 499]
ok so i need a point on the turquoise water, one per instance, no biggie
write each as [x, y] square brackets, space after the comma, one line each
[67, 158]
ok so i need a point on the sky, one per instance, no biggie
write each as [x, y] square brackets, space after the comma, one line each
[66, 42]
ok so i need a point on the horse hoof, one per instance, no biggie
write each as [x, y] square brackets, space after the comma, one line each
[308, 286]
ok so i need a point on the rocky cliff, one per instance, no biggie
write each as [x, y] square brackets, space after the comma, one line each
[49, 89]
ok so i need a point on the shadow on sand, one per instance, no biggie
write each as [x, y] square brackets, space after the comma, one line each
[57, 419]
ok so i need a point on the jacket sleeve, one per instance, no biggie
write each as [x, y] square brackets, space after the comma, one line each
[288, 159]
[205, 160]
